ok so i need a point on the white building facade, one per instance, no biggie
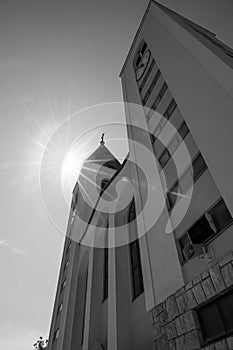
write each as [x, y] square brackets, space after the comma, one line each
[168, 285]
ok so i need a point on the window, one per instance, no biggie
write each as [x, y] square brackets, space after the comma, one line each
[140, 54]
[184, 183]
[172, 195]
[172, 106]
[60, 307]
[66, 264]
[207, 226]
[164, 158]
[147, 75]
[151, 87]
[160, 96]
[220, 215]
[104, 184]
[105, 284]
[136, 269]
[135, 258]
[63, 285]
[152, 138]
[183, 130]
[199, 166]
[216, 317]
[56, 334]
[68, 247]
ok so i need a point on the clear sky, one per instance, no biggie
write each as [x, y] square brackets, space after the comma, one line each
[57, 57]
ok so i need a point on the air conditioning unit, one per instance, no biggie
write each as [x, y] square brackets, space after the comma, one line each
[192, 250]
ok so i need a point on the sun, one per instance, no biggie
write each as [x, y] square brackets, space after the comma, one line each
[71, 167]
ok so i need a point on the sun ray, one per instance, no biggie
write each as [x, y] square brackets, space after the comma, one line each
[180, 194]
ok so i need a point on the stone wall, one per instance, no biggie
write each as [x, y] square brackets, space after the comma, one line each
[175, 321]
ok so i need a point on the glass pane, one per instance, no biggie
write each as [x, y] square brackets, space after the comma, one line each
[221, 215]
[137, 283]
[226, 311]
[164, 158]
[199, 166]
[211, 323]
[183, 130]
[171, 108]
[200, 231]
[134, 254]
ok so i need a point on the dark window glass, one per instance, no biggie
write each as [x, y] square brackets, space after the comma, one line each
[104, 184]
[199, 166]
[172, 195]
[172, 106]
[136, 269]
[200, 231]
[220, 215]
[183, 130]
[105, 287]
[226, 312]
[152, 138]
[152, 85]
[143, 49]
[160, 96]
[132, 212]
[211, 323]
[147, 75]
[138, 61]
[216, 318]
[164, 158]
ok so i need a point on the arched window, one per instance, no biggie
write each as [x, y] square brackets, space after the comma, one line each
[104, 184]
[135, 257]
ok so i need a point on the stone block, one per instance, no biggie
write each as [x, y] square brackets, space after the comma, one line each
[172, 345]
[197, 280]
[157, 330]
[181, 303]
[229, 341]
[216, 278]
[180, 343]
[205, 274]
[191, 320]
[199, 293]
[158, 308]
[179, 292]
[227, 273]
[152, 318]
[193, 340]
[172, 308]
[209, 347]
[208, 288]
[163, 317]
[228, 258]
[180, 325]
[190, 299]
[189, 285]
[161, 343]
[171, 330]
[221, 345]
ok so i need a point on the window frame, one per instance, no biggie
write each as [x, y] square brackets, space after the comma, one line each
[210, 238]
[217, 302]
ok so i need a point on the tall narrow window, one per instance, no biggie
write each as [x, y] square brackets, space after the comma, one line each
[136, 269]
[135, 257]
[105, 276]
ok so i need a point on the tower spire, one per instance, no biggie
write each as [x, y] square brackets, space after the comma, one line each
[102, 139]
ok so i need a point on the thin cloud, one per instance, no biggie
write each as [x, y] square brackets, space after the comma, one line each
[3, 242]
[19, 251]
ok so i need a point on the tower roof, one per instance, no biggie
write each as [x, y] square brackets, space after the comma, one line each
[103, 156]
